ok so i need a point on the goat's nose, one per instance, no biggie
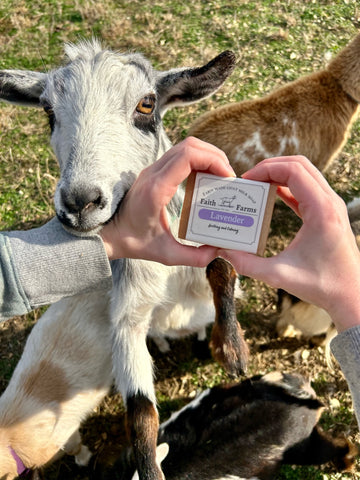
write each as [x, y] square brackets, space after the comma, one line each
[83, 199]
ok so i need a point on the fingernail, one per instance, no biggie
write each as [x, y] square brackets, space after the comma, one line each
[231, 171]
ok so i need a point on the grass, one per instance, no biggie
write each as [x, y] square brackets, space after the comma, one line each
[275, 41]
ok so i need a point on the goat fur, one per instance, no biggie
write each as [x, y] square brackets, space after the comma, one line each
[102, 140]
[311, 116]
[63, 374]
[243, 431]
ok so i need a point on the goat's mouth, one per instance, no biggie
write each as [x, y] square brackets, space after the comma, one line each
[116, 209]
[83, 223]
[78, 226]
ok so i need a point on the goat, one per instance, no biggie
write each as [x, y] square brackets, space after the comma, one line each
[241, 431]
[105, 116]
[311, 116]
[36, 403]
[227, 201]
[62, 375]
[66, 370]
[299, 318]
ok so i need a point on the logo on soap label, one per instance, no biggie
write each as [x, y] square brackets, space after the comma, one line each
[227, 201]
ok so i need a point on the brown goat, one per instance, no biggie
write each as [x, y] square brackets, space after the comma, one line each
[311, 116]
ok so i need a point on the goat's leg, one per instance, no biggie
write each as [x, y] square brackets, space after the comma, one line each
[134, 378]
[227, 344]
[142, 426]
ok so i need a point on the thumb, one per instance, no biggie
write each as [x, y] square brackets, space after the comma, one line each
[248, 264]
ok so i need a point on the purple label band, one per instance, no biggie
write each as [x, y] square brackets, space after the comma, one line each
[224, 217]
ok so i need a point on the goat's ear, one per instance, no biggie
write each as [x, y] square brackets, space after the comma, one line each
[161, 452]
[22, 87]
[188, 85]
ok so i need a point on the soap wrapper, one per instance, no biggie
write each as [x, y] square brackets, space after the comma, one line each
[227, 212]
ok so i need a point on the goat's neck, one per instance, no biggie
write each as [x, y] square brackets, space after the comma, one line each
[345, 67]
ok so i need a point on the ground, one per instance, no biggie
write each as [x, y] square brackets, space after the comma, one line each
[186, 370]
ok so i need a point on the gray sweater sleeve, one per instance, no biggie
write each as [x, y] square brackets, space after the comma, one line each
[346, 349]
[42, 265]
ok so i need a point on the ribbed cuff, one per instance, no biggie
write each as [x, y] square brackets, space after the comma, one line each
[51, 263]
[346, 349]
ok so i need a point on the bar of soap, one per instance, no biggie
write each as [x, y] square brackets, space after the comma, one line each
[227, 212]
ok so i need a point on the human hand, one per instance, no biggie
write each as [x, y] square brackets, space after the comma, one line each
[140, 229]
[322, 264]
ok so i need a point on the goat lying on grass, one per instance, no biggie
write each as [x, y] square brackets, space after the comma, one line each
[311, 116]
[105, 115]
[246, 430]
[298, 318]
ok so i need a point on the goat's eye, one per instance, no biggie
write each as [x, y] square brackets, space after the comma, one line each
[146, 105]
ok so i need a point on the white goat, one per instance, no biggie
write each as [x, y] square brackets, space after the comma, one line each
[105, 115]
[311, 116]
[63, 374]
[66, 370]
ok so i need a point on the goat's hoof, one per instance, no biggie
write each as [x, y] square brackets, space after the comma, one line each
[234, 365]
[231, 352]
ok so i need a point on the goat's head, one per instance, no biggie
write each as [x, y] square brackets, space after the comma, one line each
[105, 113]
[294, 383]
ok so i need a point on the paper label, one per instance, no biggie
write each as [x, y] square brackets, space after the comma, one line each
[227, 212]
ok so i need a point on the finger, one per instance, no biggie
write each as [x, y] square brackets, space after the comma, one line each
[194, 154]
[175, 253]
[165, 181]
[247, 264]
[274, 271]
[287, 197]
[298, 160]
[306, 183]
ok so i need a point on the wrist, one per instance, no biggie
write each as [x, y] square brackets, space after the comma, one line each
[107, 235]
[346, 313]
[342, 324]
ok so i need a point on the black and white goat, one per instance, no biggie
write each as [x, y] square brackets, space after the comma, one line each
[105, 113]
[244, 431]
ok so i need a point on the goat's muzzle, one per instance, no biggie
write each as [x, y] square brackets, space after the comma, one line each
[80, 206]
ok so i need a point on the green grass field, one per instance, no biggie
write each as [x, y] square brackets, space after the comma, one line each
[275, 41]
